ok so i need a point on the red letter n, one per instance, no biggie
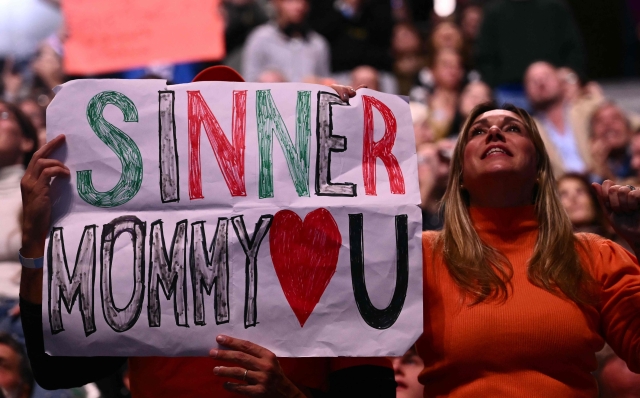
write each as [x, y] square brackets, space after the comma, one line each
[380, 149]
[230, 157]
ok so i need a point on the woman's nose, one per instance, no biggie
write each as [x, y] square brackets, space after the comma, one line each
[494, 134]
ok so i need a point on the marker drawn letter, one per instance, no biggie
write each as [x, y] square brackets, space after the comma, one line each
[209, 267]
[251, 246]
[230, 156]
[169, 169]
[65, 287]
[381, 149]
[121, 144]
[328, 143]
[297, 156]
[168, 272]
[122, 319]
[374, 317]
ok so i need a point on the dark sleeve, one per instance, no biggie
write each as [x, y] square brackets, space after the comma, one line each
[52, 372]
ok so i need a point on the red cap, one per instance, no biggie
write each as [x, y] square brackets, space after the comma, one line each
[218, 73]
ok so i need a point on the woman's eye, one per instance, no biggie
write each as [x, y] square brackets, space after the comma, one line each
[513, 128]
[476, 132]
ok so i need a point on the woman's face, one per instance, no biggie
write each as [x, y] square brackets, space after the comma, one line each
[498, 145]
[13, 145]
[576, 201]
[406, 369]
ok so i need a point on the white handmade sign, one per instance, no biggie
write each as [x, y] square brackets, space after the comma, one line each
[276, 213]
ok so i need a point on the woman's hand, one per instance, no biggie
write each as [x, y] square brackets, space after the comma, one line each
[621, 204]
[36, 203]
[259, 370]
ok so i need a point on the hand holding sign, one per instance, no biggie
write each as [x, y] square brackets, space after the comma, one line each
[36, 201]
[260, 371]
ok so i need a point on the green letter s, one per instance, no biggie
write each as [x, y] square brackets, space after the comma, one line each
[121, 144]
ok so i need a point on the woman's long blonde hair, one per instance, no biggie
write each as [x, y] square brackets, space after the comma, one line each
[481, 271]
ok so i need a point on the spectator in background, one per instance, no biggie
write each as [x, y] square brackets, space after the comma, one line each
[444, 36]
[470, 19]
[37, 114]
[442, 97]
[47, 68]
[581, 204]
[288, 45]
[433, 172]
[611, 133]
[563, 126]
[16, 379]
[240, 17]
[359, 32]
[473, 94]
[18, 142]
[516, 33]
[365, 76]
[406, 369]
[420, 118]
[408, 57]
[634, 148]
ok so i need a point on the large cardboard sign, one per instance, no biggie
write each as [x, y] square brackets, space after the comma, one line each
[276, 213]
[114, 35]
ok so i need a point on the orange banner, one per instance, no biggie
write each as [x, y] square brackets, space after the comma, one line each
[108, 36]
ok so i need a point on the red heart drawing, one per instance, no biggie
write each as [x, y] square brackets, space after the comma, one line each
[304, 255]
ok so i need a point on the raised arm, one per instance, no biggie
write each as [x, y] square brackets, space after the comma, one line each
[50, 372]
[618, 272]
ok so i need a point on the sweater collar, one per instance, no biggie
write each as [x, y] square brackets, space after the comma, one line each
[505, 220]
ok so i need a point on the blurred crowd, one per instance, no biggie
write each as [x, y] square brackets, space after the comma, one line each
[541, 55]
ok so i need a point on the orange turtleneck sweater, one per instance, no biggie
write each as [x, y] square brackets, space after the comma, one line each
[535, 344]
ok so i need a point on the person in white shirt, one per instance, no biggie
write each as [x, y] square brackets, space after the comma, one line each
[563, 125]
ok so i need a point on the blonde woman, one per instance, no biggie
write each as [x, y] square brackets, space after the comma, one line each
[516, 304]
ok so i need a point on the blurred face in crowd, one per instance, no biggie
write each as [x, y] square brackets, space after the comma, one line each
[37, 115]
[447, 70]
[542, 85]
[577, 201]
[474, 93]
[446, 35]
[635, 153]
[405, 40]
[406, 369]
[470, 23]
[34, 112]
[365, 75]
[610, 125]
[11, 381]
[570, 83]
[291, 11]
[13, 145]
[420, 118]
